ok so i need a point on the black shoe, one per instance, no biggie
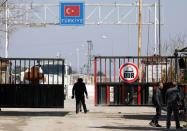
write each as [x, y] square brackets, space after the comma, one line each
[152, 124]
[86, 111]
[157, 125]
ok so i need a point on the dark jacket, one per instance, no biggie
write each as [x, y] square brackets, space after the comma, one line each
[172, 95]
[157, 97]
[79, 88]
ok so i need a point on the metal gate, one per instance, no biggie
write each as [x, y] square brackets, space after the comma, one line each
[110, 89]
[31, 82]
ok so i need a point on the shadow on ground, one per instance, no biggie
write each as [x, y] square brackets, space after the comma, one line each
[132, 128]
[30, 113]
[143, 117]
[135, 117]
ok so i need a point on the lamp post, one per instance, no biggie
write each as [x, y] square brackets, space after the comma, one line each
[90, 48]
[159, 15]
[77, 51]
[6, 28]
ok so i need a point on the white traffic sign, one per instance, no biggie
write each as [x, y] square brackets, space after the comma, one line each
[129, 72]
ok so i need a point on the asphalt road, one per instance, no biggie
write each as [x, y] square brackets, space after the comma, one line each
[100, 118]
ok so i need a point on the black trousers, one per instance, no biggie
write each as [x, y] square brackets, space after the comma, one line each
[172, 107]
[80, 100]
[157, 115]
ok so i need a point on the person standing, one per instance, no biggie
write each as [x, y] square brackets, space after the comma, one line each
[172, 99]
[157, 101]
[79, 91]
[185, 112]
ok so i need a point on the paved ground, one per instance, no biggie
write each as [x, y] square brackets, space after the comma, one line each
[98, 119]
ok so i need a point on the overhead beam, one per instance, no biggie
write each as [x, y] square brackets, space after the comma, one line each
[95, 14]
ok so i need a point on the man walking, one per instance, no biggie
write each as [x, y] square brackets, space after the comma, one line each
[172, 99]
[79, 89]
[157, 101]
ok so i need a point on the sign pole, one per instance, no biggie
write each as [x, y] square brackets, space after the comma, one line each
[159, 15]
[139, 45]
[6, 30]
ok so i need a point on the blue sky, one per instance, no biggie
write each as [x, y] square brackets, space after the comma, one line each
[119, 40]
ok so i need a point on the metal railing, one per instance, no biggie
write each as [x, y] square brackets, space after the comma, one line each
[31, 71]
[31, 82]
[111, 89]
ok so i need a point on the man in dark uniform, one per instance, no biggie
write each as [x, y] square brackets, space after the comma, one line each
[79, 89]
[185, 106]
[157, 101]
[172, 99]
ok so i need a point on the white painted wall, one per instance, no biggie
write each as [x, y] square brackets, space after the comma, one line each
[90, 90]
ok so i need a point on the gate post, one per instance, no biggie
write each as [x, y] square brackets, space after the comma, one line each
[139, 93]
[107, 97]
[95, 80]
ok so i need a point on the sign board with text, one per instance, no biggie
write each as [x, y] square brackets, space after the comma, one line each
[72, 14]
[129, 72]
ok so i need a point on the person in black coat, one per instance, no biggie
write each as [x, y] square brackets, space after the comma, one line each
[157, 101]
[79, 91]
[172, 99]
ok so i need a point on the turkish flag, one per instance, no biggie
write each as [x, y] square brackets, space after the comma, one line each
[73, 10]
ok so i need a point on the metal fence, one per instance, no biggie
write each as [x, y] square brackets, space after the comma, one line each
[110, 89]
[31, 82]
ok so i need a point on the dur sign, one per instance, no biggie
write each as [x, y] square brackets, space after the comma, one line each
[72, 14]
[129, 72]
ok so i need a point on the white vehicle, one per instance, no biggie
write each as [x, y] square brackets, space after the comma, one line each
[56, 73]
[53, 73]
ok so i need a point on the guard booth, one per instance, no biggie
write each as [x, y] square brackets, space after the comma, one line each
[31, 82]
[112, 88]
